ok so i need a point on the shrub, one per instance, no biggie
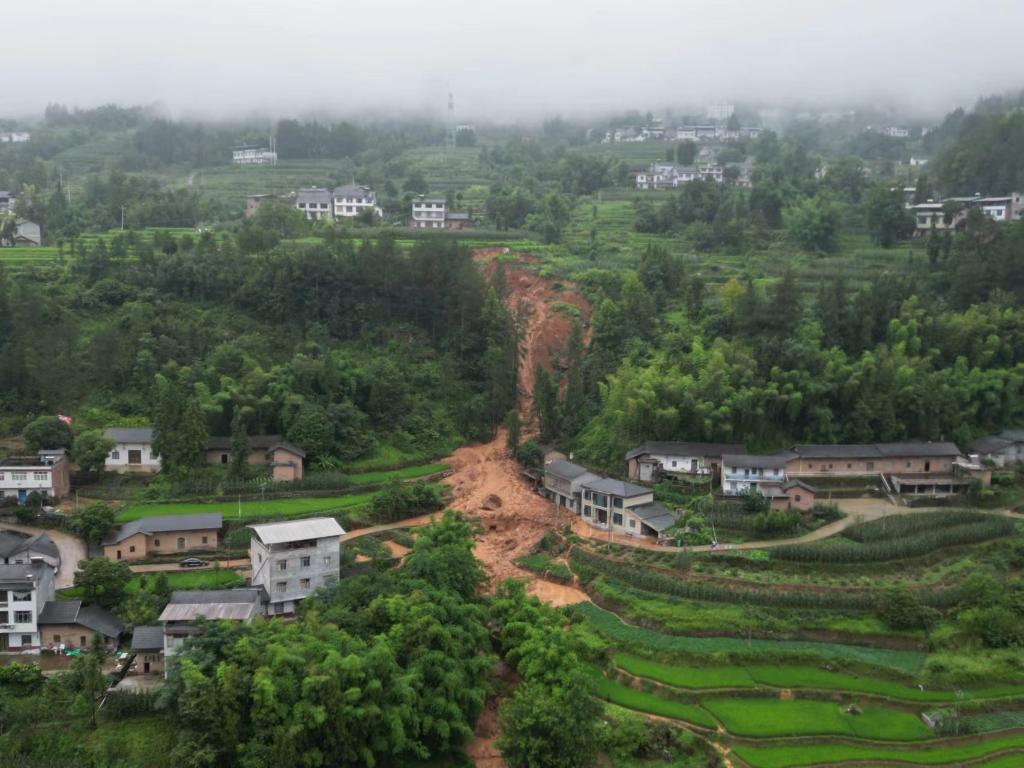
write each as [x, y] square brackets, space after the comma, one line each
[25, 678]
[529, 454]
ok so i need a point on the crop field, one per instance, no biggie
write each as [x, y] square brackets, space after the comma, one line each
[767, 718]
[648, 702]
[251, 510]
[949, 753]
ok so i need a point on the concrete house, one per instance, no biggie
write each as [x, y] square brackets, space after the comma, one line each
[148, 646]
[563, 483]
[428, 212]
[47, 473]
[646, 462]
[1002, 449]
[459, 220]
[351, 200]
[181, 615]
[293, 559]
[873, 458]
[253, 154]
[743, 472]
[163, 535]
[792, 494]
[24, 591]
[67, 624]
[624, 508]
[132, 451]
[22, 549]
[315, 202]
[283, 458]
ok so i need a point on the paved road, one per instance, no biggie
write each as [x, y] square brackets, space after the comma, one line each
[71, 549]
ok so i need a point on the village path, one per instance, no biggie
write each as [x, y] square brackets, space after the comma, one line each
[71, 548]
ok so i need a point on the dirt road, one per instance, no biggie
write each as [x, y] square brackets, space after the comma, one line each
[241, 563]
[71, 549]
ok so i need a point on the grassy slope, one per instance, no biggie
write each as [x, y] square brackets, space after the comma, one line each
[406, 473]
[250, 510]
[804, 717]
[790, 756]
[629, 637]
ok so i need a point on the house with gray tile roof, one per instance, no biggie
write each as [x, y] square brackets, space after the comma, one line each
[132, 450]
[163, 535]
[653, 459]
[71, 624]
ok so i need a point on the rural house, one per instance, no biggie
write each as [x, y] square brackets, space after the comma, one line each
[458, 220]
[351, 200]
[293, 559]
[8, 200]
[563, 483]
[283, 458]
[624, 508]
[744, 472]
[792, 494]
[24, 591]
[314, 202]
[872, 458]
[132, 451]
[253, 154]
[1001, 449]
[653, 459]
[67, 624]
[22, 549]
[428, 212]
[48, 473]
[163, 535]
[148, 647]
[181, 615]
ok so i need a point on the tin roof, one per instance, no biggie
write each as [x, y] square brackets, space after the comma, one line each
[298, 530]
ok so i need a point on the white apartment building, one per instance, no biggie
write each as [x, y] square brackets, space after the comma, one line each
[132, 451]
[48, 473]
[743, 472]
[253, 155]
[24, 590]
[353, 199]
[428, 212]
[316, 203]
[291, 560]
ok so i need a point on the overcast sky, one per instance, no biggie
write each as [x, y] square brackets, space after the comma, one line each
[504, 59]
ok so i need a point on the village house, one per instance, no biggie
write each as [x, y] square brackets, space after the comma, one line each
[746, 472]
[181, 615]
[351, 200]
[1001, 449]
[652, 459]
[563, 482]
[670, 176]
[24, 591]
[67, 625]
[8, 200]
[48, 473]
[253, 154]
[315, 203]
[624, 508]
[15, 137]
[459, 220]
[22, 549]
[283, 458]
[872, 458]
[428, 212]
[293, 559]
[132, 451]
[26, 233]
[163, 535]
[148, 646]
[792, 494]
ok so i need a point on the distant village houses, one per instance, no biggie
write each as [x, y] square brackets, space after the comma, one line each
[950, 214]
[344, 202]
[15, 137]
[671, 176]
[253, 154]
[433, 213]
[163, 535]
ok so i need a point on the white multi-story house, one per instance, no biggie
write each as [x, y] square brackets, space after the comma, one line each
[182, 614]
[428, 213]
[352, 199]
[252, 154]
[670, 176]
[896, 132]
[563, 483]
[24, 591]
[291, 560]
[132, 451]
[48, 473]
[7, 201]
[652, 459]
[1006, 447]
[316, 203]
[744, 472]
[624, 508]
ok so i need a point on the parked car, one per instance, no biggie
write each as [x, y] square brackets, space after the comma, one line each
[193, 562]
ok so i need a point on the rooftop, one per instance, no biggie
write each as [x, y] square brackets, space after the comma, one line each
[655, 516]
[73, 612]
[232, 604]
[129, 434]
[617, 487]
[297, 530]
[684, 449]
[148, 639]
[21, 575]
[565, 470]
[353, 190]
[148, 526]
[758, 461]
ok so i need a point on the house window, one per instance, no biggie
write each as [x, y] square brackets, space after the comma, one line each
[586, 511]
[632, 523]
[204, 539]
[305, 561]
[56, 638]
[131, 548]
[810, 466]
[617, 518]
[304, 583]
[282, 565]
[21, 597]
[281, 586]
[181, 542]
[327, 560]
[40, 476]
[22, 617]
[798, 497]
[908, 465]
[673, 463]
[156, 542]
[586, 495]
[19, 476]
[617, 502]
[871, 465]
[26, 639]
[115, 455]
[830, 466]
[849, 466]
[81, 641]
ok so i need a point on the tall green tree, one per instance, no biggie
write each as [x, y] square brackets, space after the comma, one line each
[239, 466]
[179, 429]
[887, 219]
